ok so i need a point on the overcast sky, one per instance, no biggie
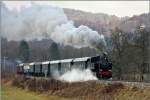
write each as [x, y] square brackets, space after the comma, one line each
[118, 8]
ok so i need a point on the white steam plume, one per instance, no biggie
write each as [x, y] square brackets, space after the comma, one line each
[82, 36]
[35, 22]
[77, 75]
[43, 21]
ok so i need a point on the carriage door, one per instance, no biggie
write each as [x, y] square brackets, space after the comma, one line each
[49, 70]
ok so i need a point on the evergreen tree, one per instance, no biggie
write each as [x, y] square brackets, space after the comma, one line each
[24, 51]
[54, 52]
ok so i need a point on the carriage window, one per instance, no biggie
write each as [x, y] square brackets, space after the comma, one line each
[37, 68]
[31, 68]
[54, 67]
[62, 68]
[26, 68]
[79, 65]
[45, 68]
[65, 67]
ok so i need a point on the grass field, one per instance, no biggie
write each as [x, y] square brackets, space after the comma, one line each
[13, 93]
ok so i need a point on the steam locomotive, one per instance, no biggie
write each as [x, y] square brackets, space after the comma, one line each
[99, 65]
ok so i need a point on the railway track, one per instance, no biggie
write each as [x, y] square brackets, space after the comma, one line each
[140, 85]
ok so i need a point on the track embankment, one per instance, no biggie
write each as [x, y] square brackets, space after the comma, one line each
[89, 90]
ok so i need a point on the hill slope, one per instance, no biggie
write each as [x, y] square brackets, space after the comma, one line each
[103, 23]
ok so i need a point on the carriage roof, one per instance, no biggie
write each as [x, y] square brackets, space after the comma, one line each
[31, 63]
[57, 61]
[54, 61]
[81, 59]
[46, 62]
[21, 64]
[66, 60]
[24, 64]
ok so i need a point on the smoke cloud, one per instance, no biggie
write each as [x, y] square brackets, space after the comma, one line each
[77, 75]
[43, 21]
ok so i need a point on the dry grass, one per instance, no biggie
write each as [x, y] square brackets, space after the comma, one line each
[90, 90]
[8, 93]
